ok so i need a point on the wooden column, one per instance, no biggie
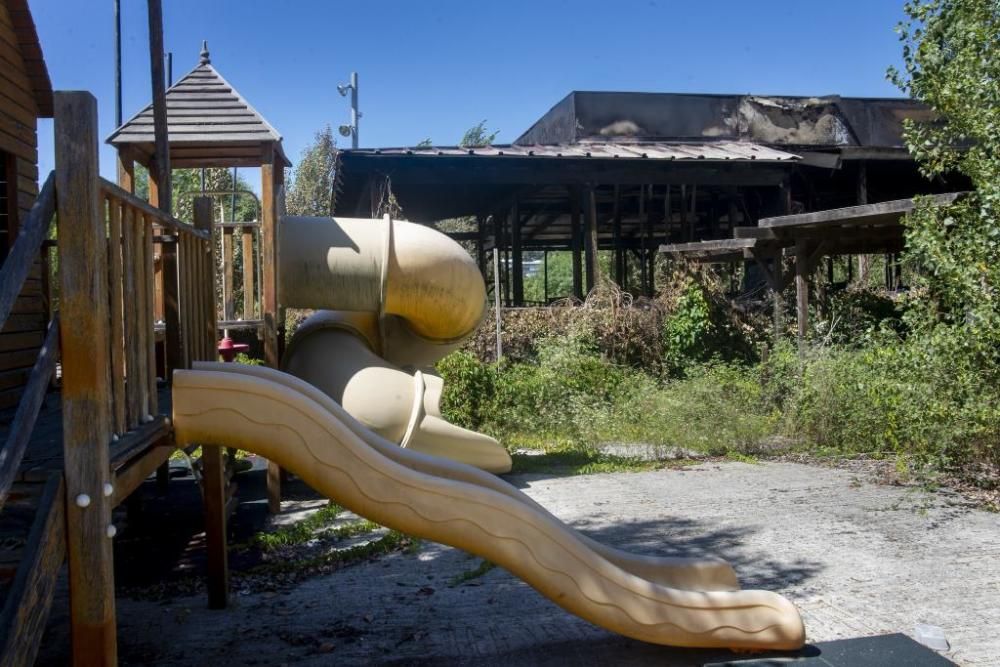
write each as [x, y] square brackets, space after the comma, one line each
[517, 258]
[643, 223]
[271, 177]
[778, 275]
[591, 242]
[228, 301]
[616, 236]
[862, 199]
[576, 242]
[213, 477]
[248, 274]
[84, 322]
[651, 246]
[481, 244]
[802, 289]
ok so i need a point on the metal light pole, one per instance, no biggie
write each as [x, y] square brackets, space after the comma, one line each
[352, 129]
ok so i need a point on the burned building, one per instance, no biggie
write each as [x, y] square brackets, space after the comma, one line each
[627, 172]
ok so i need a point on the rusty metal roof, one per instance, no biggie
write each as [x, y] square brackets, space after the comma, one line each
[719, 151]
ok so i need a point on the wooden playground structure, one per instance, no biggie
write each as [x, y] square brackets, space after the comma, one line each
[132, 297]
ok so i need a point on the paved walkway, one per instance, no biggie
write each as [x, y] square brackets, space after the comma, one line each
[859, 559]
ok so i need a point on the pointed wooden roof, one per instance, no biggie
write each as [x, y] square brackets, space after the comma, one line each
[209, 124]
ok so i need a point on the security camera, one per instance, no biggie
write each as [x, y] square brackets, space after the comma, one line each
[345, 130]
[343, 89]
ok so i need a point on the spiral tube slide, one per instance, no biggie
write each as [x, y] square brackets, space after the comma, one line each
[393, 294]
[282, 420]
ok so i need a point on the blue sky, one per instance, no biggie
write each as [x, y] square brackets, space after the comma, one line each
[436, 67]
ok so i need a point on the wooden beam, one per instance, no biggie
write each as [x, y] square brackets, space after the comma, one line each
[517, 259]
[270, 173]
[590, 238]
[161, 164]
[616, 238]
[85, 378]
[802, 290]
[29, 598]
[576, 241]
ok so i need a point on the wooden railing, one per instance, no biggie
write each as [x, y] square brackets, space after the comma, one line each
[16, 267]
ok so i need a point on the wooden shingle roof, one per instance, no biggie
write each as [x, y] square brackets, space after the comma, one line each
[209, 124]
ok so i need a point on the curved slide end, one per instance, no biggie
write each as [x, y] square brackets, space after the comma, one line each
[437, 437]
[283, 424]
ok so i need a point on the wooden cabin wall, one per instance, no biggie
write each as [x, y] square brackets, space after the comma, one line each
[24, 331]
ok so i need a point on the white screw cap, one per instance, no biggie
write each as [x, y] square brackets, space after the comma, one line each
[83, 500]
[112, 530]
[108, 489]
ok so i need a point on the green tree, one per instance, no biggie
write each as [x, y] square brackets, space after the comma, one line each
[951, 55]
[311, 189]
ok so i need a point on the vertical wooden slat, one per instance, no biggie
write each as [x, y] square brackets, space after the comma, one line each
[271, 176]
[147, 319]
[208, 293]
[142, 333]
[182, 320]
[86, 414]
[117, 313]
[228, 303]
[248, 269]
[203, 221]
[132, 393]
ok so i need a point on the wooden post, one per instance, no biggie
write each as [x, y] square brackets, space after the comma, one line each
[779, 277]
[545, 277]
[517, 259]
[802, 290]
[162, 159]
[616, 236]
[270, 173]
[643, 278]
[651, 246]
[86, 413]
[228, 303]
[214, 477]
[496, 299]
[591, 243]
[575, 242]
[481, 244]
[248, 272]
[862, 199]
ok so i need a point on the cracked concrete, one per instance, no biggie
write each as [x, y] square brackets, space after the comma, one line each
[857, 558]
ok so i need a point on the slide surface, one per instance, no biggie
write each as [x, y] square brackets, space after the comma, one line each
[678, 602]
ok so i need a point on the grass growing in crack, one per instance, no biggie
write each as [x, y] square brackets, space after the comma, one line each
[300, 531]
[569, 459]
[476, 572]
[391, 541]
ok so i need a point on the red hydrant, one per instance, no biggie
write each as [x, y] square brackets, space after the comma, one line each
[228, 349]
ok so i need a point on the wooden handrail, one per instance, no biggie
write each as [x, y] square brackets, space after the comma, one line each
[109, 189]
[26, 248]
[27, 410]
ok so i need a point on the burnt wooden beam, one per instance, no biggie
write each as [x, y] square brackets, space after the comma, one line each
[590, 239]
[517, 263]
[576, 241]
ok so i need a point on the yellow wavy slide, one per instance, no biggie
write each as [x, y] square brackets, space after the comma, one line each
[674, 601]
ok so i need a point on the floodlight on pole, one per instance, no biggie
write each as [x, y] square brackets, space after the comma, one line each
[352, 129]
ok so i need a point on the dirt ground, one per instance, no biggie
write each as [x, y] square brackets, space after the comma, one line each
[858, 557]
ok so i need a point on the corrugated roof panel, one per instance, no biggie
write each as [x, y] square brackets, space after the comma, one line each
[659, 150]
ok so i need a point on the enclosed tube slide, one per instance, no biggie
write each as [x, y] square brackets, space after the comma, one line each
[679, 602]
[394, 298]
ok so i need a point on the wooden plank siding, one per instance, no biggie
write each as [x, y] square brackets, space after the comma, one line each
[21, 337]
